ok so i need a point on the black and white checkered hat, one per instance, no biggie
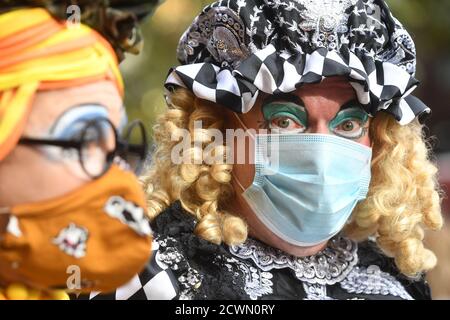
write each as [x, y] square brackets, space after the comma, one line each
[236, 48]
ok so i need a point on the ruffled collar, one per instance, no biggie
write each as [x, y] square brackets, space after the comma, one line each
[329, 266]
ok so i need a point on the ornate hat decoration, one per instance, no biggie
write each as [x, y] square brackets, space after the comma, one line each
[117, 20]
[237, 48]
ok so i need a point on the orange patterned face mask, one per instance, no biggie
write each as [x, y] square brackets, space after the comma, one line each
[95, 238]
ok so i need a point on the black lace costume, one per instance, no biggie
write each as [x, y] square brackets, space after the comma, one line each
[185, 266]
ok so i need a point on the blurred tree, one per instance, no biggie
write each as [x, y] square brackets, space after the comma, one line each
[429, 24]
[145, 74]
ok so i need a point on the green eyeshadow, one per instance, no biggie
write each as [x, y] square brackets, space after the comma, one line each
[285, 109]
[354, 113]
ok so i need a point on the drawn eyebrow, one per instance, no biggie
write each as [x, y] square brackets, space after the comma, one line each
[351, 104]
[288, 97]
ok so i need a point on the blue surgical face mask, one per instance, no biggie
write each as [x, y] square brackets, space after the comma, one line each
[306, 190]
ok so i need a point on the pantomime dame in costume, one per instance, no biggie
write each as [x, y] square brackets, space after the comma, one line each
[72, 212]
[342, 214]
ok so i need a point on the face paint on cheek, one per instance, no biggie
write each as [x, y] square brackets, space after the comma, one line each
[69, 126]
[71, 122]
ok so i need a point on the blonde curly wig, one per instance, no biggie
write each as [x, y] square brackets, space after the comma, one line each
[403, 198]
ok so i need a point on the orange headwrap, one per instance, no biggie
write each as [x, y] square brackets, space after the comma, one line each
[38, 52]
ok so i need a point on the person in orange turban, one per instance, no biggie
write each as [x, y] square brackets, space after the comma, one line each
[72, 212]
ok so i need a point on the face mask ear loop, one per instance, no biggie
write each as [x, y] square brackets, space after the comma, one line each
[243, 125]
[238, 182]
[246, 128]
[240, 121]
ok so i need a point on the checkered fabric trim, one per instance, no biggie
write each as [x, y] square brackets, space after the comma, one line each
[379, 85]
[155, 282]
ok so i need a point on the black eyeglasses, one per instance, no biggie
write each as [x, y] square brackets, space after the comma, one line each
[98, 146]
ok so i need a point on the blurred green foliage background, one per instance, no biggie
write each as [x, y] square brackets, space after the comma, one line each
[145, 74]
[428, 21]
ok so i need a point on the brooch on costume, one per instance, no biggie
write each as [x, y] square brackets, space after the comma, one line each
[72, 240]
[222, 32]
[325, 19]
